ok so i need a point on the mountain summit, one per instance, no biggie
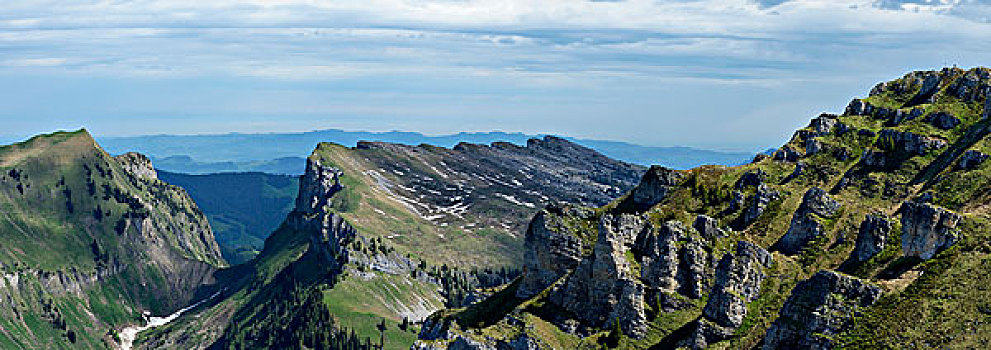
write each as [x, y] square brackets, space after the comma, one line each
[90, 242]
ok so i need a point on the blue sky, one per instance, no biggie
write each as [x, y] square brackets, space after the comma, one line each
[726, 74]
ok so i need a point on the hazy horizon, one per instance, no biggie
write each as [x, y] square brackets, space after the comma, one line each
[711, 74]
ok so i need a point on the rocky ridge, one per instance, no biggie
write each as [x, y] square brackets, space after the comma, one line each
[903, 165]
[431, 201]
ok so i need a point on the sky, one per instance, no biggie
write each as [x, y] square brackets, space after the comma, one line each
[717, 74]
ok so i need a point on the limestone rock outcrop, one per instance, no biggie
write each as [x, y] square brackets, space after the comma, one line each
[137, 164]
[317, 186]
[805, 224]
[756, 204]
[708, 227]
[818, 309]
[603, 289]
[943, 120]
[674, 260]
[785, 154]
[971, 159]
[871, 237]
[907, 142]
[927, 229]
[892, 116]
[738, 281]
[751, 178]
[972, 86]
[551, 251]
[654, 186]
[823, 124]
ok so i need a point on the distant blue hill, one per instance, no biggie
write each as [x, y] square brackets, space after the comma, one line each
[284, 153]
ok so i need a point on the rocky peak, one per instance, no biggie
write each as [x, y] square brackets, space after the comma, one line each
[602, 289]
[823, 124]
[137, 164]
[818, 309]
[654, 186]
[927, 229]
[551, 252]
[318, 184]
[907, 142]
[973, 85]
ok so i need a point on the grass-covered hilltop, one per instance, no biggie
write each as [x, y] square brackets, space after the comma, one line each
[868, 229]
[89, 241]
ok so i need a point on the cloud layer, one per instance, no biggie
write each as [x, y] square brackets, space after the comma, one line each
[652, 68]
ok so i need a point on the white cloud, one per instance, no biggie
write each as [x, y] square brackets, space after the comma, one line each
[617, 51]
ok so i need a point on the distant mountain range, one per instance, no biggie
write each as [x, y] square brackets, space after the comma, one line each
[283, 153]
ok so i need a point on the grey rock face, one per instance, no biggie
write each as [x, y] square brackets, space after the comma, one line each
[629, 226]
[904, 141]
[708, 227]
[805, 225]
[659, 266]
[785, 154]
[927, 229]
[823, 124]
[757, 203]
[602, 288]
[972, 86]
[874, 158]
[674, 261]
[751, 178]
[943, 120]
[818, 309]
[971, 159]
[693, 269]
[738, 279]
[812, 146]
[893, 116]
[737, 201]
[551, 251]
[987, 106]
[903, 117]
[929, 82]
[654, 186]
[137, 164]
[871, 237]
[462, 343]
[317, 186]
[858, 107]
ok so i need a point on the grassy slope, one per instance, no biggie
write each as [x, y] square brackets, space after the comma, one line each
[376, 214]
[361, 304]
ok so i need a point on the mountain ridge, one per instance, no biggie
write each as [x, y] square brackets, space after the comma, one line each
[762, 255]
[277, 151]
